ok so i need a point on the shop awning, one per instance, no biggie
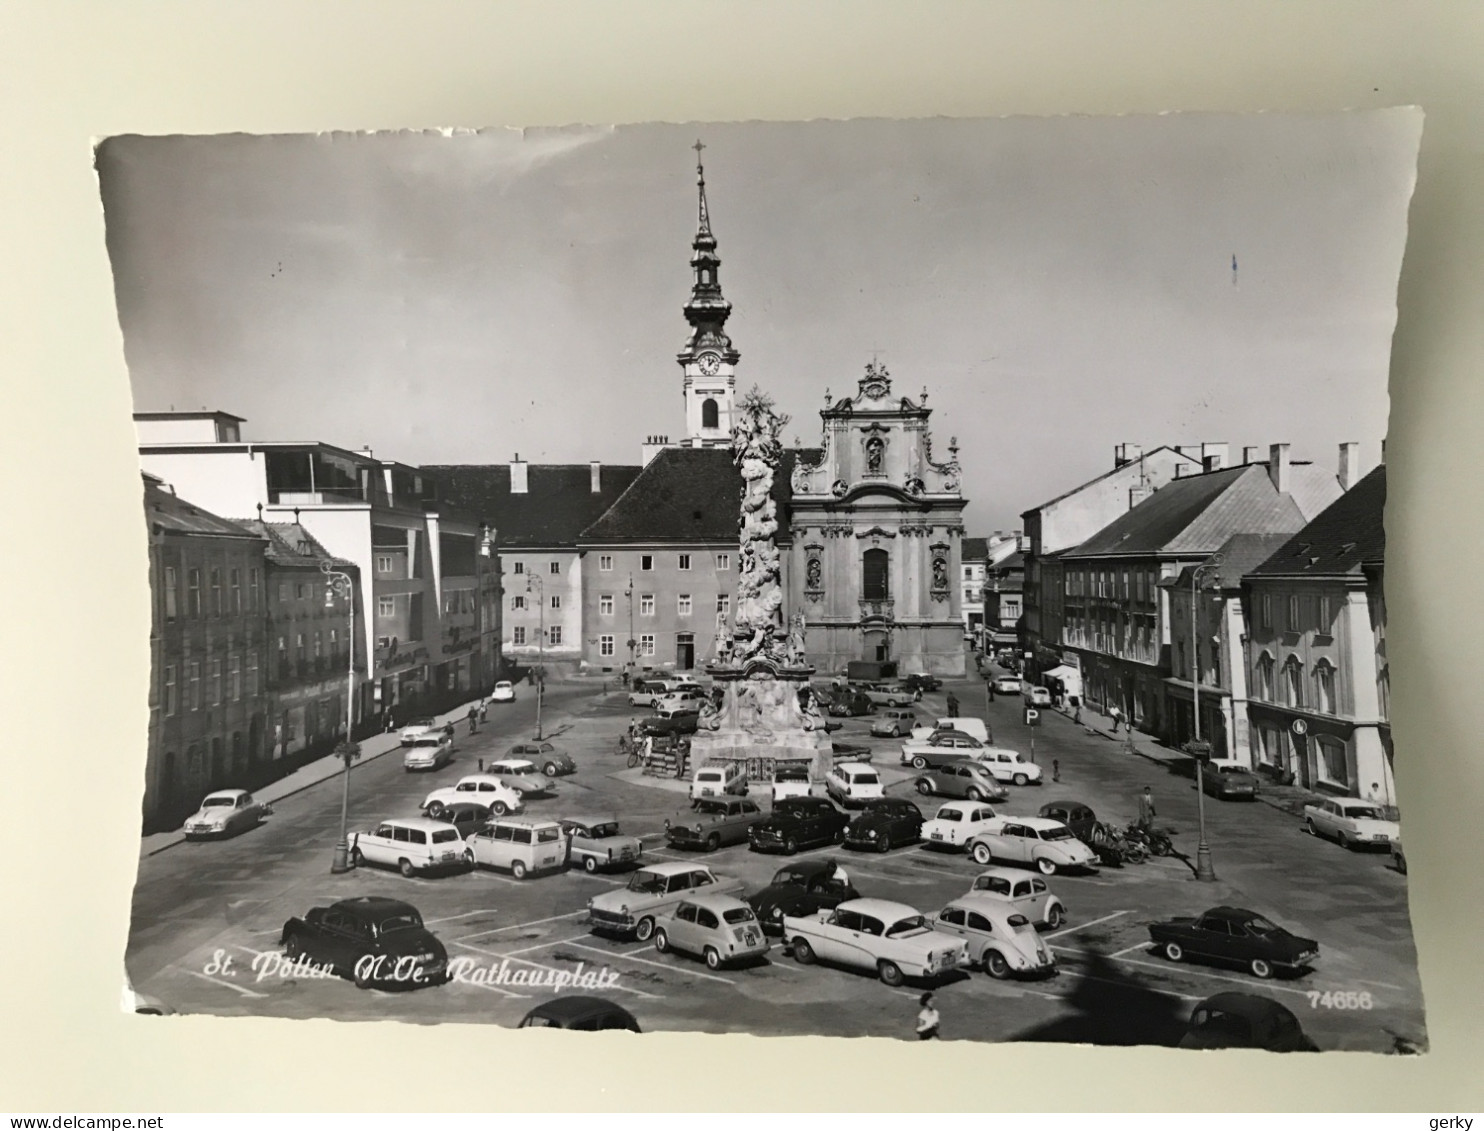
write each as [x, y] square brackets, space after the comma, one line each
[1062, 673]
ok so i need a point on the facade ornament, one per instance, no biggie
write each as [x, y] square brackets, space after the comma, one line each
[838, 488]
[875, 453]
[913, 484]
[876, 384]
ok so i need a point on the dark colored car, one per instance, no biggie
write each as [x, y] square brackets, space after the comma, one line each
[800, 889]
[798, 822]
[1075, 815]
[678, 721]
[884, 823]
[372, 940]
[1234, 935]
[585, 1014]
[849, 703]
[715, 822]
[1229, 783]
[466, 816]
[1245, 1021]
[921, 681]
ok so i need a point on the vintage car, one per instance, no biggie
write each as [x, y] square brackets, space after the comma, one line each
[961, 779]
[372, 940]
[582, 1014]
[954, 825]
[797, 822]
[1233, 935]
[427, 752]
[520, 775]
[849, 704]
[1028, 895]
[482, 789]
[466, 816]
[409, 844]
[718, 779]
[801, 889]
[939, 748]
[1245, 1021]
[1001, 941]
[884, 823]
[1007, 685]
[553, 762]
[790, 779]
[651, 891]
[1351, 822]
[852, 784]
[921, 681]
[645, 692]
[224, 812]
[894, 722]
[892, 939]
[888, 695]
[1037, 842]
[1076, 815]
[1228, 780]
[1035, 696]
[594, 843]
[1008, 765]
[423, 724]
[504, 692]
[519, 845]
[671, 720]
[965, 724]
[719, 928]
[713, 822]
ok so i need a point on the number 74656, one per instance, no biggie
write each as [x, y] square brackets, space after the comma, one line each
[1340, 999]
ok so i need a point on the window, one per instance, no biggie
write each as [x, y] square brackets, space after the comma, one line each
[236, 590]
[167, 691]
[556, 600]
[1265, 611]
[605, 605]
[1295, 622]
[216, 591]
[682, 604]
[605, 645]
[724, 603]
[554, 634]
[234, 678]
[555, 569]
[518, 634]
[194, 603]
[334, 642]
[874, 585]
[319, 646]
[605, 562]
[300, 591]
[646, 645]
[1293, 683]
[1324, 688]
[646, 604]
[283, 592]
[683, 562]
[520, 567]
[252, 673]
[1264, 670]
[723, 561]
[386, 606]
[1332, 762]
[518, 602]
[710, 414]
[383, 563]
[1324, 622]
[252, 590]
[646, 561]
[193, 685]
[170, 610]
[300, 651]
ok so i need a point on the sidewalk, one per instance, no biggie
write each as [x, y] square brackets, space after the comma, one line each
[310, 774]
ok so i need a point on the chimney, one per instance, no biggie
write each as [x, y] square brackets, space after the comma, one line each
[595, 474]
[1124, 454]
[1214, 456]
[1250, 455]
[1182, 469]
[1022, 543]
[1278, 467]
[1137, 495]
[1349, 464]
[519, 484]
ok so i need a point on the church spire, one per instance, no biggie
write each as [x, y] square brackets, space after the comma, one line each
[708, 359]
[703, 220]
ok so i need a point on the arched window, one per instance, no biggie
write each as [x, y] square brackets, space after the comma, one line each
[874, 571]
[1264, 670]
[1293, 682]
[1324, 688]
[710, 414]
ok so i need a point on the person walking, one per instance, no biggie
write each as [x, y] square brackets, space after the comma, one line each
[388, 723]
[473, 718]
[927, 1019]
[1117, 713]
[1146, 809]
[1055, 770]
[952, 705]
[1077, 710]
[989, 687]
[484, 710]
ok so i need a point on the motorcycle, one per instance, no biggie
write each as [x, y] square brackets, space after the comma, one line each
[1115, 850]
[1155, 840]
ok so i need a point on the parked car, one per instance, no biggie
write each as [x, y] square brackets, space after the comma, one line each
[957, 823]
[369, 939]
[1237, 936]
[594, 843]
[717, 779]
[423, 724]
[884, 823]
[852, 784]
[483, 789]
[888, 695]
[967, 724]
[1035, 696]
[1228, 780]
[1037, 842]
[1076, 815]
[1398, 857]
[894, 722]
[409, 844]
[720, 928]
[225, 812]
[504, 692]
[427, 752]
[1008, 765]
[939, 748]
[685, 698]
[651, 891]
[1351, 822]
[798, 822]
[790, 779]
[553, 762]
[801, 889]
[521, 775]
[582, 1014]
[519, 845]
[1028, 895]
[961, 779]
[466, 816]
[1245, 1021]
[1000, 940]
[716, 821]
[892, 939]
[645, 691]
[921, 681]
[847, 703]
[1007, 685]
[671, 720]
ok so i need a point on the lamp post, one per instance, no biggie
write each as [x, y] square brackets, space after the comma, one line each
[1203, 869]
[340, 584]
[540, 584]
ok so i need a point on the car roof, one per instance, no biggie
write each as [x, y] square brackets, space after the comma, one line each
[854, 766]
[590, 819]
[717, 902]
[415, 822]
[577, 1008]
[984, 903]
[1231, 913]
[810, 867]
[1038, 822]
[672, 867]
[224, 793]
[1065, 805]
[478, 777]
[511, 762]
[377, 905]
[959, 806]
[504, 683]
[883, 909]
[1013, 874]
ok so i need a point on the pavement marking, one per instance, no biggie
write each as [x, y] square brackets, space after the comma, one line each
[243, 990]
[517, 926]
[1130, 949]
[1383, 985]
[662, 965]
[540, 946]
[462, 915]
[1083, 926]
[492, 989]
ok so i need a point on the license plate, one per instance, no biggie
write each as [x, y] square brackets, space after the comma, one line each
[937, 836]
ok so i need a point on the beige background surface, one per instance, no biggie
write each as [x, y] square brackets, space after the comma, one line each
[75, 660]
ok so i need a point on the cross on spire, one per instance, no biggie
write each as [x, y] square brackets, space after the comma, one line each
[703, 217]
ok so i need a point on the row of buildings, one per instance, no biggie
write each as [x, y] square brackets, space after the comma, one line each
[1253, 589]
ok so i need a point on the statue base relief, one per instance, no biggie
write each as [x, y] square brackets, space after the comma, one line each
[761, 721]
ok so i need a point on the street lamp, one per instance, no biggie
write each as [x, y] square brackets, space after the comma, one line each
[1203, 869]
[540, 584]
[339, 584]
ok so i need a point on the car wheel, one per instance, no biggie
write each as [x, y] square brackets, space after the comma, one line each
[919, 763]
[499, 808]
[1055, 916]
[790, 846]
[518, 869]
[293, 947]
[803, 952]
[884, 845]
[644, 929]
[890, 973]
[661, 942]
[995, 965]
[405, 867]
[589, 863]
[1020, 779]
[1174, 952]
[713, 842]
[361, 975]
[356, 859]
[1261, 968]
[712, 957]
[1046, 867]
[925, 787]
[435, 810]
[469, 857]
[550, 769]
[1309, 825]
[973, 794]
[981, 853]
[1344, 841]
[1400, 862]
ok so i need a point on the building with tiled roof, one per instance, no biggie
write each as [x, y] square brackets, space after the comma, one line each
[973, 555]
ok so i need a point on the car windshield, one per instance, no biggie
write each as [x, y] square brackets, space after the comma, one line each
[950, 815]
[738, 915]
[1230, 770]
[1363, 812]
[997, 884]
[646, 882]
[215, 802]
[865, 779]
[791, 773]
[428, 740]
[1056, 834]
[443, 836]
[398, 923]
[547, 835]
[789, 876]
[421, 723]
[599, 832]
[711, 806]
[903, 927]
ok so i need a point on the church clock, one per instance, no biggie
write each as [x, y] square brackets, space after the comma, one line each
[709, 364]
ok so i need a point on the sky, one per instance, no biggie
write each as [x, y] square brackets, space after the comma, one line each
[1058, 285]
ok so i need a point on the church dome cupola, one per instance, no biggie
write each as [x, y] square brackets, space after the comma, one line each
[708, 359]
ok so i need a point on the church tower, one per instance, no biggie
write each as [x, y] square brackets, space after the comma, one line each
[708, 360]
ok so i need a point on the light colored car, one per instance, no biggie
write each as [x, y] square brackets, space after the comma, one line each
[651, 892]
[1000, 940]
[423, 724]
[481, 789]
[1037, 842]
[596, 842]
[852, 784]
[409, 844]
[719, 928]
[893, 723]
[957, 823]
[224, 812]
[521, 775]
[553, 762]
[1008, 765]
[1351, 822]
[1007, 685]
[892, 939]
[790, 779]
[1036, 696]
[1028, 895]
[428, 752]
[939, 748]
[645, 692]
[520, 845]
[685, 699]
[504, 692]
[716, 779]
[888, 695]
[965, 779]
[967, 724]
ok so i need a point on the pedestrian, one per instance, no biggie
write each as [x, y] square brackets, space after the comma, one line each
[1055, 770]
[387, 723]
[952, 705]
[989, 688]
[625, 678]
[1146, 809]
[1076, 710]
[473, 718]
[927, 1019]
[1117, 714]
[484, 710]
